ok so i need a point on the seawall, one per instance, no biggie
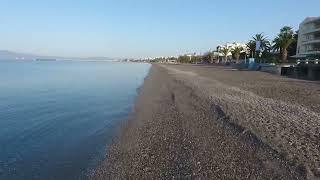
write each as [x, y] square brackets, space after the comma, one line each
[187, 126]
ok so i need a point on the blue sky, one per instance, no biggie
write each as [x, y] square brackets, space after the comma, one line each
[141, 28]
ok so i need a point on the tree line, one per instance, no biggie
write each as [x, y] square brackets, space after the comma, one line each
[281, 47]
[277, 50]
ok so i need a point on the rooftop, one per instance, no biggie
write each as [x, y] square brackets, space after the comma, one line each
[310, 19]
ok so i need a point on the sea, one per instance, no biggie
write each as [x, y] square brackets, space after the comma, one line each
[58, 117]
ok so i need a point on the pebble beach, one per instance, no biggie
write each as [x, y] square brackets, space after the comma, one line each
[214, 122]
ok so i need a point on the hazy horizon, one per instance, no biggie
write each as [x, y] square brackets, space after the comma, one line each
[125, 29]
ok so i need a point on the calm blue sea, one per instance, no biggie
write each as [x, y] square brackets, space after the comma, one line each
[56, 118]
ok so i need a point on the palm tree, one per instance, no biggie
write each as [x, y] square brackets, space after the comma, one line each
[236, 51]
[265, 45]
[225, 50]
[264, 42]
[283, 41]
[209, 56]
[277, 44]
[292, 49]
[251, 46]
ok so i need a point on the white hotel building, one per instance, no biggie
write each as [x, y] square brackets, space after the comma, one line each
[309, 37]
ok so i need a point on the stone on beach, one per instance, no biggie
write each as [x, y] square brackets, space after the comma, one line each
[204, 122]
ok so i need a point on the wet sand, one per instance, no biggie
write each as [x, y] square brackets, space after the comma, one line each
[208, 122]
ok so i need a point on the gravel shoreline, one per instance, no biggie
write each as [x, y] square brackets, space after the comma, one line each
[206, 122]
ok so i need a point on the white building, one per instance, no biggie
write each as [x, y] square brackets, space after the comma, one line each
[230, 47]
[309, 37]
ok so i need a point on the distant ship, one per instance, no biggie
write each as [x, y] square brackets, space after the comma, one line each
[46, 60]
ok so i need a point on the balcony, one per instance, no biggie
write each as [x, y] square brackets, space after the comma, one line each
[316, 24]
[313, 50]
[311, 30]
[311, 41]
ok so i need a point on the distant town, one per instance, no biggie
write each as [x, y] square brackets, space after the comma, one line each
[290, 52]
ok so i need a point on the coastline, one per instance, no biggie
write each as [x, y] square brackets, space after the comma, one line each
[188, 124]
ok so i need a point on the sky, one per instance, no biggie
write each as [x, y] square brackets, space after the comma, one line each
[141, 28]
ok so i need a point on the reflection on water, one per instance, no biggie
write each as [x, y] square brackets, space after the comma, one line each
[57, 117]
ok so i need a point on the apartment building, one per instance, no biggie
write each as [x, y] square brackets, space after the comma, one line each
[309, 38]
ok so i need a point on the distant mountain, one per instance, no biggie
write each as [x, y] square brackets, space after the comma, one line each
[9, 55]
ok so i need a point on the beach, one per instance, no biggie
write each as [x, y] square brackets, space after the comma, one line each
[214, 122]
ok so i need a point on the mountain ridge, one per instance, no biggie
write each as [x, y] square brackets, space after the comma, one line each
[11, 55]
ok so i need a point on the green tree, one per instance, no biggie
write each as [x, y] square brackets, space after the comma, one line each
[292, 49]
[265, 43]
[284, 39]
[184, 59]
[251, 45]
[225, 50]
[236, 51]
[196, 59]
[265, 46]
[209, 57]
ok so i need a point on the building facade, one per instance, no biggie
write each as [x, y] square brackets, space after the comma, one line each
[309, 38]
